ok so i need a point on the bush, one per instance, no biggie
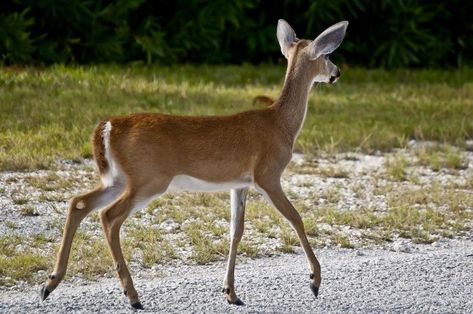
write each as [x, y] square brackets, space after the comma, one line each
[396, 33]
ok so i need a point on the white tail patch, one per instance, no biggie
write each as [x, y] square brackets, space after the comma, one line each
[109, 178]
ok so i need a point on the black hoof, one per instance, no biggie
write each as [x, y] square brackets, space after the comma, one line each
[237, 302]
[43, 294]
[315, 289]
[137, 305]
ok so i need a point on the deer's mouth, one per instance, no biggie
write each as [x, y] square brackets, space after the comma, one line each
[333, 79]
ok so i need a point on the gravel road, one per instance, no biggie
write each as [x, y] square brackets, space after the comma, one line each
[430, 278]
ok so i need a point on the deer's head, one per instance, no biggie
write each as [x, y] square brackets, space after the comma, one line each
[312, 56]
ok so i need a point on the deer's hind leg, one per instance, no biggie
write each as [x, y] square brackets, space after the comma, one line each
[79, 208]
[112, 218]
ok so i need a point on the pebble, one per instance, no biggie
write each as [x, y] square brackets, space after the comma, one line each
[360, 253]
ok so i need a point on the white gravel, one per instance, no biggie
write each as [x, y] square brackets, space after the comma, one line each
[431, 279]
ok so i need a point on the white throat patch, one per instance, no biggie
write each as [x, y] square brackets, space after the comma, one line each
[320, 78]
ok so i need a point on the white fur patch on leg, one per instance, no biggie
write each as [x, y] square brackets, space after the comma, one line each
[80, 205]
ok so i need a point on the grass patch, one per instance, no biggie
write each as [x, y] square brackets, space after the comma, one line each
[89, 256]
[19, 199]
[332, 195]
[150, 243]
[205, 248]
[18, 261]
[50, 113]
[10, 224]
[439, 157]
[343, 241]
[29, 210]
[248, 248]
[396, 168]
[334, 172]
[21, 267]
[288, 240]
[50, 182]
[420, 214]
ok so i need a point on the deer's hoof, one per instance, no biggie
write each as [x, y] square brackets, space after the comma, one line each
[236, 302]
[137, 305]
[315, 289]
[44, 292]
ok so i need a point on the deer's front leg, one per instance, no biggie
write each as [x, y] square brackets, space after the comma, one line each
[238, 199]
[274, 192]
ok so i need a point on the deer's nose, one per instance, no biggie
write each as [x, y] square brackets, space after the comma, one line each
[333, 78]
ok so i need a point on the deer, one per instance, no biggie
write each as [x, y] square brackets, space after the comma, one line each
[143, 155]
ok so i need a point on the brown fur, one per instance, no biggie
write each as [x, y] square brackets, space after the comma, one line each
[202, 147]
[151, 149]
[98, 148]
[265, 100]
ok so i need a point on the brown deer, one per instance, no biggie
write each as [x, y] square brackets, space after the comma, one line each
[141, 156]
[265, 100]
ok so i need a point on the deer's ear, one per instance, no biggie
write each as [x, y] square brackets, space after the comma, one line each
[286, 37]
[328, 40]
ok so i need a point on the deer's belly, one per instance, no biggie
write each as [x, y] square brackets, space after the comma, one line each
[191, 184]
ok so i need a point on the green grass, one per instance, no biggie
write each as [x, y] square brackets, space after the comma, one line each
[50, 182]
[29, 210]
[149, 241]
[19, 263]
[396, 168]
[441, 156]
[50, 113]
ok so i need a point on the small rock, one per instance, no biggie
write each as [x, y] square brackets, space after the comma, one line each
[401, 247]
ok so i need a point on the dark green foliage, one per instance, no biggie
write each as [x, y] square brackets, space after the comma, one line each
[396, 33]
[16, 44]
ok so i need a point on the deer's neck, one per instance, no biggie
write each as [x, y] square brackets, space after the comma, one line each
[292, 104]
